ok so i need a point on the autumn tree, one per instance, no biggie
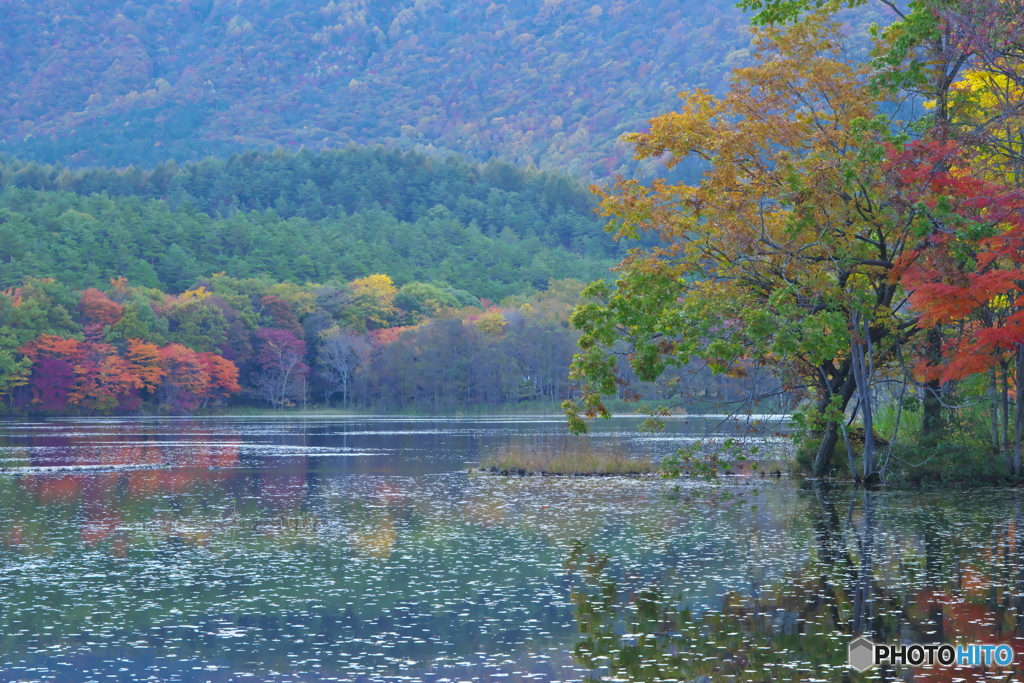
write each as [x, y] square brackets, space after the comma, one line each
[104, 381]
[282, 370]
[340, 355]
[185, 379]
[374, 299]
[279, 314]
[966, 59]
[97, 308]
[145, 363]
[53, 379]
[966, 272]
[223, 378]
[779, 255]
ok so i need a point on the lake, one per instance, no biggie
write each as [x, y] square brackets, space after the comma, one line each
[362, 549]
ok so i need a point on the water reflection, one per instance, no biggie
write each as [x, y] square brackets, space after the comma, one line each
[362, 550]
[900, 568]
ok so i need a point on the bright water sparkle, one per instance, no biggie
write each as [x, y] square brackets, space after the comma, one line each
[360, 549]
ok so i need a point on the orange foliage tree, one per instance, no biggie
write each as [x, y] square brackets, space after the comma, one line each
[97, 308]
[185, 380]
[966, 274]
[223, 378]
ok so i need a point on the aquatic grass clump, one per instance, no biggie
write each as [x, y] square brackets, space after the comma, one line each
[570, 460]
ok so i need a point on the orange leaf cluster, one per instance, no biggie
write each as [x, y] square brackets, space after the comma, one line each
[97, 308]
[96, 378]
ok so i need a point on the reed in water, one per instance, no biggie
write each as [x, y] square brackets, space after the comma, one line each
[572, 459]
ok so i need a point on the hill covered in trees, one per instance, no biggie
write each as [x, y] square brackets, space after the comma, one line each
[364, 342]
[545, 82]
[494, 230]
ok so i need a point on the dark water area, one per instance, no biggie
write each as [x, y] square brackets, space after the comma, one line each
[362, 549]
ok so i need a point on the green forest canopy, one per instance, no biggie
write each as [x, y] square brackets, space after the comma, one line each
[494, 230]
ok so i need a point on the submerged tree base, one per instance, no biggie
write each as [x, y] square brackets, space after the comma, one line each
[518, 460]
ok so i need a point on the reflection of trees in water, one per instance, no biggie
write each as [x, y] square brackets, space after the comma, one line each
[894, 575]
[641, 635]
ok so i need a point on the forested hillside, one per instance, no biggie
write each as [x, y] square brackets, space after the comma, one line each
[494, 230]
[545, 82]
[365, 343]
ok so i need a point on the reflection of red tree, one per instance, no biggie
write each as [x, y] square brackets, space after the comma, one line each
[101, 516]
[966, 618]
[102, 495]
[144, 483]
[225, 455]
[50, 490]
[177, 480]
[95, 530]
[14, 534]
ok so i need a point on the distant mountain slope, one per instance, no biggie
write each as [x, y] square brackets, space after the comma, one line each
[494, 230]
[547, 82]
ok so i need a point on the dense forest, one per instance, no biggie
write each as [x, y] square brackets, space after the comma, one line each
[551, 83]
[495, 229]
[365, 343]
[258, 280]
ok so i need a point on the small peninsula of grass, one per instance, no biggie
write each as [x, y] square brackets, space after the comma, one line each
[520, 460]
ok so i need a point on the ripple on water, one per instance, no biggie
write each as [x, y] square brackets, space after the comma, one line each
[294, 566]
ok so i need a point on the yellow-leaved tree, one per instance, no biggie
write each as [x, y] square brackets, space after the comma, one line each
[374, 299]
[780, 253]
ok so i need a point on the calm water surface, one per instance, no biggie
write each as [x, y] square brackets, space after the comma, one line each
[361, 549]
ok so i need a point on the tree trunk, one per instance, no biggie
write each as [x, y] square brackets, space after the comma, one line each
[994, 400]
[862, 370]
[823, 458]
[1018, 426]
[932, 426]
[1005, 367]
[849, 450]
[829, 439]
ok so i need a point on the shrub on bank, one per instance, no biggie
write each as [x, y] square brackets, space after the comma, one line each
[916, 462]
[945, 463]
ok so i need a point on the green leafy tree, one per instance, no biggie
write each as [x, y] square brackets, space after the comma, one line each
[195, 324]
[424, 298]
[138, 322]
[44, 306]
[779, 255]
